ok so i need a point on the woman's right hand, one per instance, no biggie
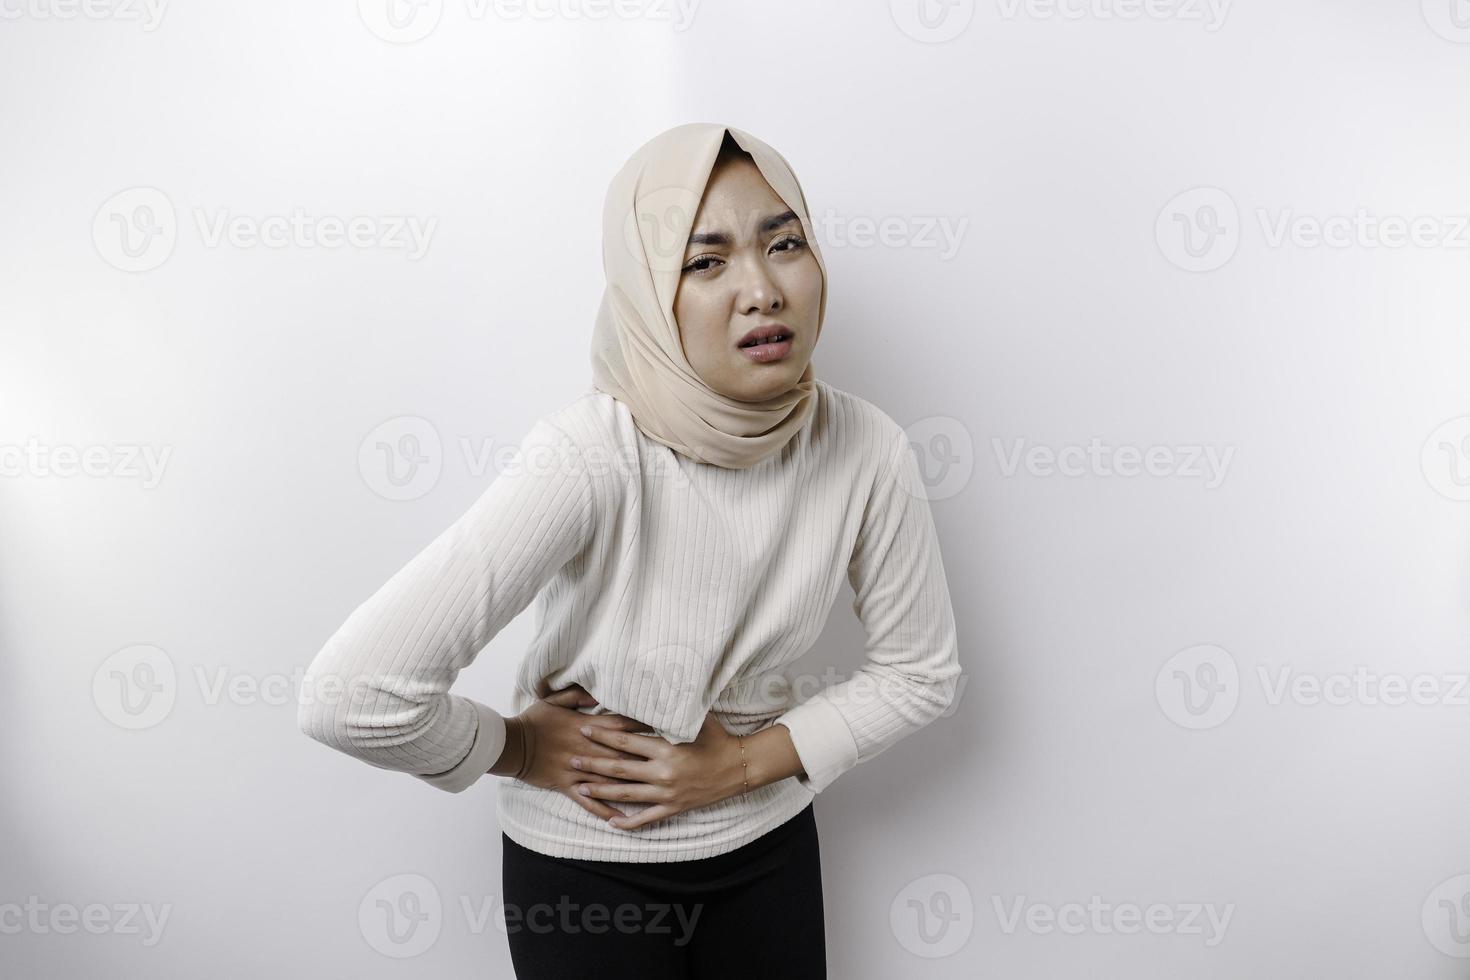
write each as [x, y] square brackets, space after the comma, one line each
[549, 735]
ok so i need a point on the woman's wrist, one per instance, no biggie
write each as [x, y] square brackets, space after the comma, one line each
[769, 757]
[513, 757]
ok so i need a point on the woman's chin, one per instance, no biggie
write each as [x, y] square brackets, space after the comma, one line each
[760, 382]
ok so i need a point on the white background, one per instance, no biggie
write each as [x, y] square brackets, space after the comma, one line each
[1082, 760]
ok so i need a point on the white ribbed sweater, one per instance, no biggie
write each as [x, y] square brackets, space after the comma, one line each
[666, 588]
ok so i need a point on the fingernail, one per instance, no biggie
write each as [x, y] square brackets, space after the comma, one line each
[584, 791]
[586, 729]
[576, 763]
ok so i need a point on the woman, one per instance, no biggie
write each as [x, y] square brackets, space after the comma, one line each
[685, 525]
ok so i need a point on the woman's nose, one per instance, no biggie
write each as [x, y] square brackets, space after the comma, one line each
[759, 291]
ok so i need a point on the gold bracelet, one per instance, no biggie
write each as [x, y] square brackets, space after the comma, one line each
[744, 766]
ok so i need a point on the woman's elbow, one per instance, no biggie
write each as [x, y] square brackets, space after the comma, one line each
[318, 717]
[371, 719]
[946, 686]
[334, 713]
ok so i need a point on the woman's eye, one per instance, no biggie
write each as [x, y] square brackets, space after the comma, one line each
[794, 241]
[700, 264]
[703, 263]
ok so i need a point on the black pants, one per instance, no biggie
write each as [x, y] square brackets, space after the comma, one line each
[755, 911]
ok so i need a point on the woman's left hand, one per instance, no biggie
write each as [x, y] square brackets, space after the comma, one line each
[673, 778]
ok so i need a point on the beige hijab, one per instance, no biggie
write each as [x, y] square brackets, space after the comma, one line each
[636, 353]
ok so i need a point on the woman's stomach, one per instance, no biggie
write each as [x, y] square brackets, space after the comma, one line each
[551, 822]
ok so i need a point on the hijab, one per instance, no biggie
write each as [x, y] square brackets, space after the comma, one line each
[637, 356]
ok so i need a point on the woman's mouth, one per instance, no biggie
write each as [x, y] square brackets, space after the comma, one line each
[767, 343]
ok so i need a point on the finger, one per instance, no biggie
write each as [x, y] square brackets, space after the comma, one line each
[623, 741]
[638, 771]
[593, 805]
[604, 750]
[567, 697]
[649, 815]
[572, 696]
[591, 750]
[622, 792]
[625, 724]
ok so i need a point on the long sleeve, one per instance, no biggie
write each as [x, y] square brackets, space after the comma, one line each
[393, 661]
[902, 599]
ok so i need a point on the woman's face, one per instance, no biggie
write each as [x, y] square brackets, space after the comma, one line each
[747, 265]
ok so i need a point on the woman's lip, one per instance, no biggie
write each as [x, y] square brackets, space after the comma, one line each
[768, 330]
[762, 353]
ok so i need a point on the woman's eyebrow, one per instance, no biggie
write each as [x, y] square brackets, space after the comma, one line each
[723, 238]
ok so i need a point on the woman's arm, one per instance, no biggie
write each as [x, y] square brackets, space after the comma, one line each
[771, 756]
[901, 597]
[393, 661]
